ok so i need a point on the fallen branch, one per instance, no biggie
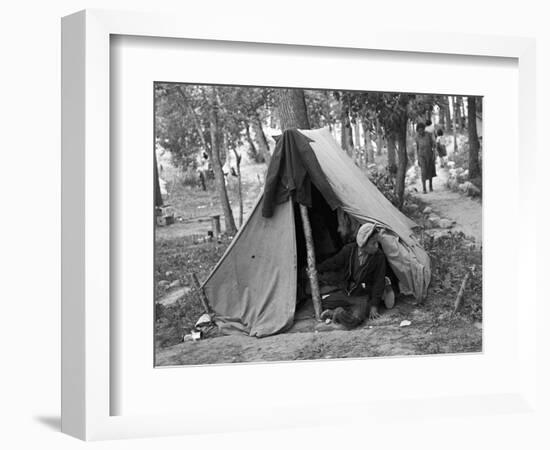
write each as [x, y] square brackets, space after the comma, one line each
[460, 295]
[201, 293]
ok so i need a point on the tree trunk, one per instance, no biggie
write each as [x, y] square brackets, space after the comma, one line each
[462, 112]
[240, 189]
[474, 170]
[219, 178]
[293, 114]
[253, 150]
[369, 151]
[260, 138]
[446, 113]
[346, 138]
[357, 132]
[292, 109]
[401, 163]
[455, 146]
[391, 152]
[350, 138]
[379, 138]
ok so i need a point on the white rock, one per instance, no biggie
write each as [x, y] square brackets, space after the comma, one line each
[473, 190]
[163, 283]
[405, 323]
[445, 223]
[433, 220]
[437, 234]
[427, 210]
[176, 283]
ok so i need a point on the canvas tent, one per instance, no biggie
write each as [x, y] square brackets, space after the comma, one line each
[253, 287]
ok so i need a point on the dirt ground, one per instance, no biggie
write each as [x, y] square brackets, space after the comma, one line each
[465, 211]
[380, 337]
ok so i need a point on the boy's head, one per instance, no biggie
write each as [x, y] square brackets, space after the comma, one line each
[420, 127]
[371, 246]
[367, 239]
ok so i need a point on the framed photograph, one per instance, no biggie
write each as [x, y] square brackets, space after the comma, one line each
[252, 220]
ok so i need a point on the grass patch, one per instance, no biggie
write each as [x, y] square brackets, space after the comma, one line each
[178, 259]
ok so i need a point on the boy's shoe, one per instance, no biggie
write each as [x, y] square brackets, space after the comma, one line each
[389, 295]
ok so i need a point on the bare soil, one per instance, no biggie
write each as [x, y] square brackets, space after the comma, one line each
[380, 337]
[465, 211]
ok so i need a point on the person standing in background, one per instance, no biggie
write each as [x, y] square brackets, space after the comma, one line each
[425, 155]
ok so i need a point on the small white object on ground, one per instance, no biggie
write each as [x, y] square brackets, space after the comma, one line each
[405, 323]
[205, 318]
[176, 283]
[195, 335]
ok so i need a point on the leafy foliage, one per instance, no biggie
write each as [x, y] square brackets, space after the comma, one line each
[182, 118]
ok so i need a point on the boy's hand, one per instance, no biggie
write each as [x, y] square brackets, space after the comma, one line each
[373, 313]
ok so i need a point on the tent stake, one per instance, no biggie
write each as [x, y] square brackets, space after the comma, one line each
[460, 296]
[312, 271]
[201, 293]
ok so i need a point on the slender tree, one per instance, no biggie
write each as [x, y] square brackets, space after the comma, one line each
[453, 101]
[240, 184]
[369, 149]
[474, 170]
[446, 112]
[379, 138]
[252, 150]
[357, 132]
[392, 166]
[212, 100]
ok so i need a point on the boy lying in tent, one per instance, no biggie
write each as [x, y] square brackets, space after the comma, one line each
[360, 271]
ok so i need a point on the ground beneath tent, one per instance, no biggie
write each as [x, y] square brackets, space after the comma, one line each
[381, 337]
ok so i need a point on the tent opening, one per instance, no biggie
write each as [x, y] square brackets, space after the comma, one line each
[326, 238]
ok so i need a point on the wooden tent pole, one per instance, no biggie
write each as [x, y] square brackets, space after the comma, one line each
[312, 271]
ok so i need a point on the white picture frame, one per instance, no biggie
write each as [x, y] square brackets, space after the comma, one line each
[87, 386]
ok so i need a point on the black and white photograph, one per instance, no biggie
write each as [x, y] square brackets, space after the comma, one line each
[306, 224]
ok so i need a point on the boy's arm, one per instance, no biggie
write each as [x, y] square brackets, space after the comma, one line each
[337, 261]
